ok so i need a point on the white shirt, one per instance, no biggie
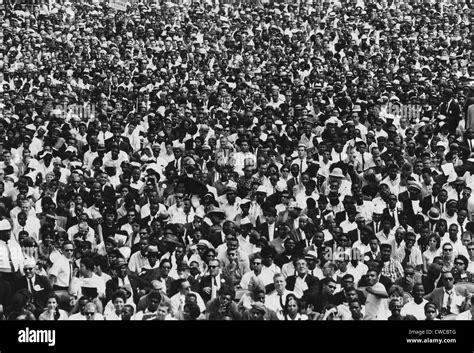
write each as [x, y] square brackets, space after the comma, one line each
[137, 262]
[465, 315]
[177, 302]
[61, 269]
[10, 250]
[300, 286]
[376, 308]
[265, 278]
[358, 271]
[456, 301]
[417, 310]
[88, 282]
[272, 300]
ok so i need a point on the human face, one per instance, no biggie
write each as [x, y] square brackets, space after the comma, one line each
[470, 250]
[280, 284]
[301, 266]
[372, 277]
[119, 304]
[52, 304]
[418, 291]
[355, 309]
[214, 268]
[431, 313]
[292, 306]
[385, 253]
[162, 312]
[448, 280]
[68, 251]
[153, 304]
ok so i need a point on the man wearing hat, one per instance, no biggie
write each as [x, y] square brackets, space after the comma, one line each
[121, 277]
[230, 202]
[410, 201]
[11, 254]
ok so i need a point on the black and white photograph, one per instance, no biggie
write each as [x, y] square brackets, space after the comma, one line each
[237, 160]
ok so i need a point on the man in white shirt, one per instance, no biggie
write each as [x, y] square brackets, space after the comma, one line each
[178, 300]
[259, 276]
[416, 307]
[11, 255]
[276, 299]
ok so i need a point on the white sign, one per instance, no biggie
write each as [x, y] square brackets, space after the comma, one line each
[120, 5]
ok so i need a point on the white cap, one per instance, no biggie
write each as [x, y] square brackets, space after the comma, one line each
[5, 225]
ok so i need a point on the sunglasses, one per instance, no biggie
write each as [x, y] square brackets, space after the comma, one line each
[447, 249]
[89, 314]
[213, 266]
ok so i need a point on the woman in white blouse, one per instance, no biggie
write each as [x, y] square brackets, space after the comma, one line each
[119, 299]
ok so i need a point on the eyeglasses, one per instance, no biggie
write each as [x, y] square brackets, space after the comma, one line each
[257, 263]
[470, 249]
[89, 314]
[447, 249]
[213, 266]
[71, 250]
[449, 279]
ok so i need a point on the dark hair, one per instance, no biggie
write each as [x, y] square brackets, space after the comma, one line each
[88, 263]
[463, 259]
[227, 290]
[118, 294]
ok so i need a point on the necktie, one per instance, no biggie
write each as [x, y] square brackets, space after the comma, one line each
[406, 258]
[296, 181]
[214, 288]
[442, 207]
[30, 285]
[71, 270]
[340, 157]
[363, 162]
[462, 228]
[448, 304]
[281, 300]
[187, 218]
[376, 227]
[12, 266]
[301, 166]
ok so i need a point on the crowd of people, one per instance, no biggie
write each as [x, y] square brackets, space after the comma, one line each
[235, 161]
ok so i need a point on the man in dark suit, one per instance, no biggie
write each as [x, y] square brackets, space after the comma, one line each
[430, 200]
[210, 285]
[302, 283]
[451, 109]
[454, 303]
[268, 229]
[409, 199]
[122, 142]
[124, 278]
[355, 235]
[39, 286]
